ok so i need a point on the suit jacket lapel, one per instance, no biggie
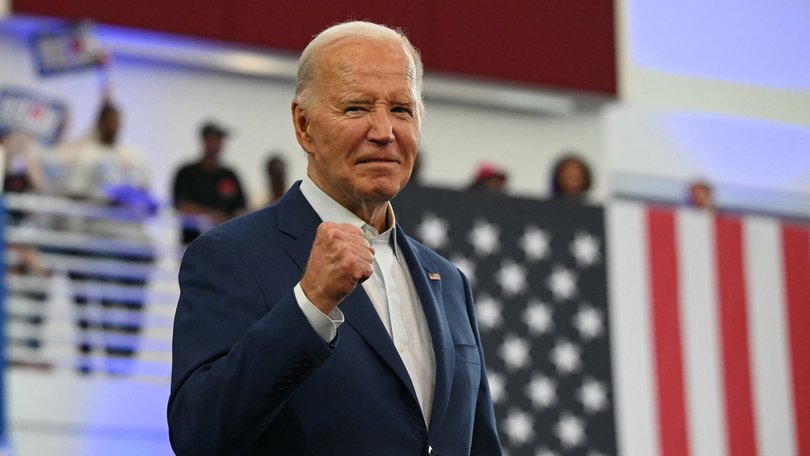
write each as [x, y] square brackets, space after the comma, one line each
[297, 219]
[430, 298]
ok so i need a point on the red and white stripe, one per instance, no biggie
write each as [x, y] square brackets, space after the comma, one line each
[710, 318]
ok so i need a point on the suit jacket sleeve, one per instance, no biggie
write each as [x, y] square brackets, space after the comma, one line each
[228, 381]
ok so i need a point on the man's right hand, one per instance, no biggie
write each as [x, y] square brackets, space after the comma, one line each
[340, 259]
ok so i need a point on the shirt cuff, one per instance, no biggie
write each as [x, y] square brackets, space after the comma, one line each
[325, 325]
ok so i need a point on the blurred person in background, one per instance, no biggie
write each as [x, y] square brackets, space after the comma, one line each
[207, 193]
[489, 178]
[23, 174]
[23, 171]
[570, 179]
[109, 271]
[26, 286]
[700, 194]
[275, 169]
[98, 168]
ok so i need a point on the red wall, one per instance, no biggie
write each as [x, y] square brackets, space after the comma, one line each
[558, 43]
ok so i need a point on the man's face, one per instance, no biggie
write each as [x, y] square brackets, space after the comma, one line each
[362, 128]
[109, 126]
[212, 145]
[701, 196]
[572, 178]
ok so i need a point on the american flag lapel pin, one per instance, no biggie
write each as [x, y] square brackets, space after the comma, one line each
[434, 276]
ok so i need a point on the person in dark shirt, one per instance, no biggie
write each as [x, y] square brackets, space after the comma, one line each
[205, 192]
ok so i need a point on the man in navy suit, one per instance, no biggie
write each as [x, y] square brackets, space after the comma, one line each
[316, 326]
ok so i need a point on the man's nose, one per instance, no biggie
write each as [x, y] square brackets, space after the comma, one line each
[381, 129]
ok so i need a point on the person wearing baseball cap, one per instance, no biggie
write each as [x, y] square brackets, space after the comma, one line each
[206, 193]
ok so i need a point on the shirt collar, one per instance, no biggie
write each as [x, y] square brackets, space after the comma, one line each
[330, 210]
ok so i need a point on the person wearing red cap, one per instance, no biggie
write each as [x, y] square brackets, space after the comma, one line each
[489, 178]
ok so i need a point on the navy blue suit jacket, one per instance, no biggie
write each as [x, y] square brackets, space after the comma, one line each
[251, 376]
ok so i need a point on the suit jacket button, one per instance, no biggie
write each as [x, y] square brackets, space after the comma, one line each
[430, 451]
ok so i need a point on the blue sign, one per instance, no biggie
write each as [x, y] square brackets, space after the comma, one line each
[28, 112]
[67, 49]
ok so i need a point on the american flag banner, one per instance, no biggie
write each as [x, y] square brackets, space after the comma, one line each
[704, 348]
[538, 274]
[711, 332]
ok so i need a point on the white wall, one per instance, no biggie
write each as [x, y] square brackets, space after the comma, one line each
[718, 90]
[457, 139]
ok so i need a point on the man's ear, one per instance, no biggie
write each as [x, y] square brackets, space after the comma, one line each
[301, 124]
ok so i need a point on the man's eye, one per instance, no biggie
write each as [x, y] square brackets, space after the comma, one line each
[354, 109]
[401, 109]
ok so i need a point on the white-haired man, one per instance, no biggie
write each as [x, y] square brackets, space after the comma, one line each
[316, 326]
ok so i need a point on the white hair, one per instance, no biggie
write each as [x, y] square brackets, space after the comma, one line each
[307, 64]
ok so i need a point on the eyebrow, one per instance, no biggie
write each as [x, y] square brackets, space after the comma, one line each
[360, 100]
[355, 100]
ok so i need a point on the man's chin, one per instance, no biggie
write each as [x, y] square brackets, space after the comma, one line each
[381, 193]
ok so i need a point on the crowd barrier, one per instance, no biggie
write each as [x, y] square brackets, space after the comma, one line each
[89, 288]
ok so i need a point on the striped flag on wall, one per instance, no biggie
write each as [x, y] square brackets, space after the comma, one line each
[710, 320]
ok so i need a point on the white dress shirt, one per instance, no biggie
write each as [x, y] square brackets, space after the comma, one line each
[391, 291]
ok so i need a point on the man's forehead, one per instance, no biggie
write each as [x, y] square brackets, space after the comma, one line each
[363, 54]
[350, 68]
[361, 72]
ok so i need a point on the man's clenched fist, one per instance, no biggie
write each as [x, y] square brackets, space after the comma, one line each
[340, 259]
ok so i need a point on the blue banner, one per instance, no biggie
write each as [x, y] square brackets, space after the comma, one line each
[26, 111]
[67, 49]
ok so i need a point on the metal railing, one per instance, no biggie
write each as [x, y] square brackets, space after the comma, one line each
[89, 288]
